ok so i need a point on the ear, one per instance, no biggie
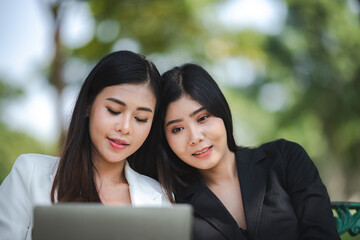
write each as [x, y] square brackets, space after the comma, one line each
[87, 112]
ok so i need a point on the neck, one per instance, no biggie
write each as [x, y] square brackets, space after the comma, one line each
[224, 171]
[109, 173]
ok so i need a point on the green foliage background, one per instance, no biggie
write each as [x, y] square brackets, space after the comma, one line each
[314, 60]
[14, 143]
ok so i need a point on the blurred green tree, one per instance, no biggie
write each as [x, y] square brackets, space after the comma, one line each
[326, 78]
[156, 26]
[311, 67]
[14, 143]
[316, 59]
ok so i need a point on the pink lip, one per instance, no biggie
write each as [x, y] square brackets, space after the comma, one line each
[204, 154]
[118, 143]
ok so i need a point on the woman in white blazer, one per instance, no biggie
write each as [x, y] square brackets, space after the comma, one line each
[114, 126]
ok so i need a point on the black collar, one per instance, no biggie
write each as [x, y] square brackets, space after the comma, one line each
[252, 179]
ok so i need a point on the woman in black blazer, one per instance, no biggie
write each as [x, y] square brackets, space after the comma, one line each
[270, 192]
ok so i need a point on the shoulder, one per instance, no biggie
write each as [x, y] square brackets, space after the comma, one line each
[34, 160]
[282, 149]
[134, 177]
[292, 156]
[34, 168]
[144, 190]
[281, 145]
[278, 151]
[30, 179]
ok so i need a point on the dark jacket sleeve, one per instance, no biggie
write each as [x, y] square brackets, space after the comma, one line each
[308, 194]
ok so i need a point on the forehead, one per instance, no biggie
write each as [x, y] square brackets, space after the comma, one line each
[137, 94]
[184, 106]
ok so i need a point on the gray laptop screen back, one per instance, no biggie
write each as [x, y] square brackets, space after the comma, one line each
[95, 221]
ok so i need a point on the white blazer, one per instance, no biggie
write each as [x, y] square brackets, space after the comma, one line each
[29, 184]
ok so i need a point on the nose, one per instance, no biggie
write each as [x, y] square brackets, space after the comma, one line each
[195, 135]
[124, 125]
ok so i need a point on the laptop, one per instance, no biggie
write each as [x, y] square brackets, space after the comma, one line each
[96, 221]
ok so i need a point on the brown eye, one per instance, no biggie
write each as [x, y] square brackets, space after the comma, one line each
[176, 130]
[203, 118]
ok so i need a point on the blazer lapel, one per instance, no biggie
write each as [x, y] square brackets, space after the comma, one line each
[208, 206]
[253, 185]
[142, 190]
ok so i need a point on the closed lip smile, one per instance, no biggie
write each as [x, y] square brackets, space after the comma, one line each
[118, 143]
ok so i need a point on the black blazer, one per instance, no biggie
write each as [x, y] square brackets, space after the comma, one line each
[283, 197]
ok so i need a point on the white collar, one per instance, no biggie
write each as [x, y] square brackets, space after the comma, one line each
[143, 190]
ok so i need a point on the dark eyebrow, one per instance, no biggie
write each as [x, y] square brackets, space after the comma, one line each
[144, 109]
[116, 101]
[173, 121]
[191, 115]
[123, 104]
[197, 111]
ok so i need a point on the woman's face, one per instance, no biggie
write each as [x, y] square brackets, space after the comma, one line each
[196, 137]
[120, 119]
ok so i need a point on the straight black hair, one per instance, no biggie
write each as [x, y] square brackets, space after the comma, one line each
[74, 180]
[196, 82]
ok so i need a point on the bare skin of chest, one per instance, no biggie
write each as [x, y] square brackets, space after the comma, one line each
[118, 194]
[230, 195]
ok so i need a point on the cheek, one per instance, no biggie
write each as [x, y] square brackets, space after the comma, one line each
[217, 130]
[98, 122]
[171, 139]
[141, 133]
[145, 131]
[176, 143]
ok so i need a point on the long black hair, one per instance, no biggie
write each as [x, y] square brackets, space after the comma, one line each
[196, 82]
[74, 180]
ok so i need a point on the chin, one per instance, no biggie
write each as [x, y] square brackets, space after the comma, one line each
[205, 167]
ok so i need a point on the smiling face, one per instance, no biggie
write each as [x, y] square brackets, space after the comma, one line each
[120, 120]
[195, 136]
